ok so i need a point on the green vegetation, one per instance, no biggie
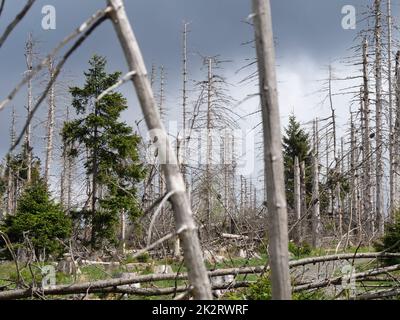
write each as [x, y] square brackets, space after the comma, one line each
[296, 142]
[39, 219]
[113, 158]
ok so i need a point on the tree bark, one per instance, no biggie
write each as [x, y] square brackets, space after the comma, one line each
[297, 199]
[316, 218]
[273, 159]
[367, 197]
[50, 128]
[379, 214]
[185, 224]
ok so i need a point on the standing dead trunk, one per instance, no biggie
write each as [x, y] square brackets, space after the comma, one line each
[379, 214]
[123, 232]
[28, 134]
[366, 158]
[184, 222]
[209, 142]
[316, 218]
[396, 137]
[297, 199]
[303, 195]
[390, 107]
[50, 127]
[274, 178]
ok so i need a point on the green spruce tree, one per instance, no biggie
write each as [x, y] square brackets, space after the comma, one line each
[40, 219]
[113, 162]
[296, 142]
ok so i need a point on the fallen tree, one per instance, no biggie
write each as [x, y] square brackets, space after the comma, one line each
[114, 285]
[338, 280]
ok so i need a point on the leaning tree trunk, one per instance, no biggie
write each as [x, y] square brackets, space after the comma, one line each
[274, 179]
[185, 224]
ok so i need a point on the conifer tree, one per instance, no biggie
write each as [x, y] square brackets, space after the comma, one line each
[40, 219]
[113, 162]
[296, 143]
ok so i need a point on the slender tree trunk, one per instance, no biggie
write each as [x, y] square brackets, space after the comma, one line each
[123, 232]
[50, 128]
[390, 106]
[316, 218]
[367, 194]
[28, 135]
[396, 137]
[303, 196]
[297, 199]
[379, 214]
[274, 179]
[209, 141]
[184, 222]
[11, 187]
[354, 212]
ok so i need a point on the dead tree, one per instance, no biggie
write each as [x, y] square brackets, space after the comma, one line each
[366, 147]
[316, 218]
[273, 159]
[297, 199]
[390, 107]
[28, 134]
[379, 214]
[50, 127]
[185, 225]
[396, 136]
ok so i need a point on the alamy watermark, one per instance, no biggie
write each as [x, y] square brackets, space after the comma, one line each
[349, 21]
[49, 18]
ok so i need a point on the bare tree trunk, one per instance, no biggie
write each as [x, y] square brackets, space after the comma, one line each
[50, 128]
[28, 134]
[185, 224]
[316, 218]
[354, 212]
[367, 196]
[396, 137]
[123, 232]
[274, 179]
[233, 190]
[10, 174]
[209, 141]
[379, 214]
[184, 98]
[297, 199]
[303, 196]
[390, 106]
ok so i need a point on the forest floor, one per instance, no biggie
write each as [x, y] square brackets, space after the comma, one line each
[87, 273]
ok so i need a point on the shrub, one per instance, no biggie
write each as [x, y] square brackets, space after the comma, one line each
[300, 251]
[40, 219]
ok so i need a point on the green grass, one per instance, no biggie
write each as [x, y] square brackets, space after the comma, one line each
[95, 272]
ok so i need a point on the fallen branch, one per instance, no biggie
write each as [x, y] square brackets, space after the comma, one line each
[379, 294]
[338, 280]
[114, 283]
[234, 236]
[343, 256]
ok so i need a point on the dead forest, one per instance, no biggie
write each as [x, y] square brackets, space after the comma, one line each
[93, 207]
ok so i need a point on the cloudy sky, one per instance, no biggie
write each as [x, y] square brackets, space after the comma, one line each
[309, 36]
